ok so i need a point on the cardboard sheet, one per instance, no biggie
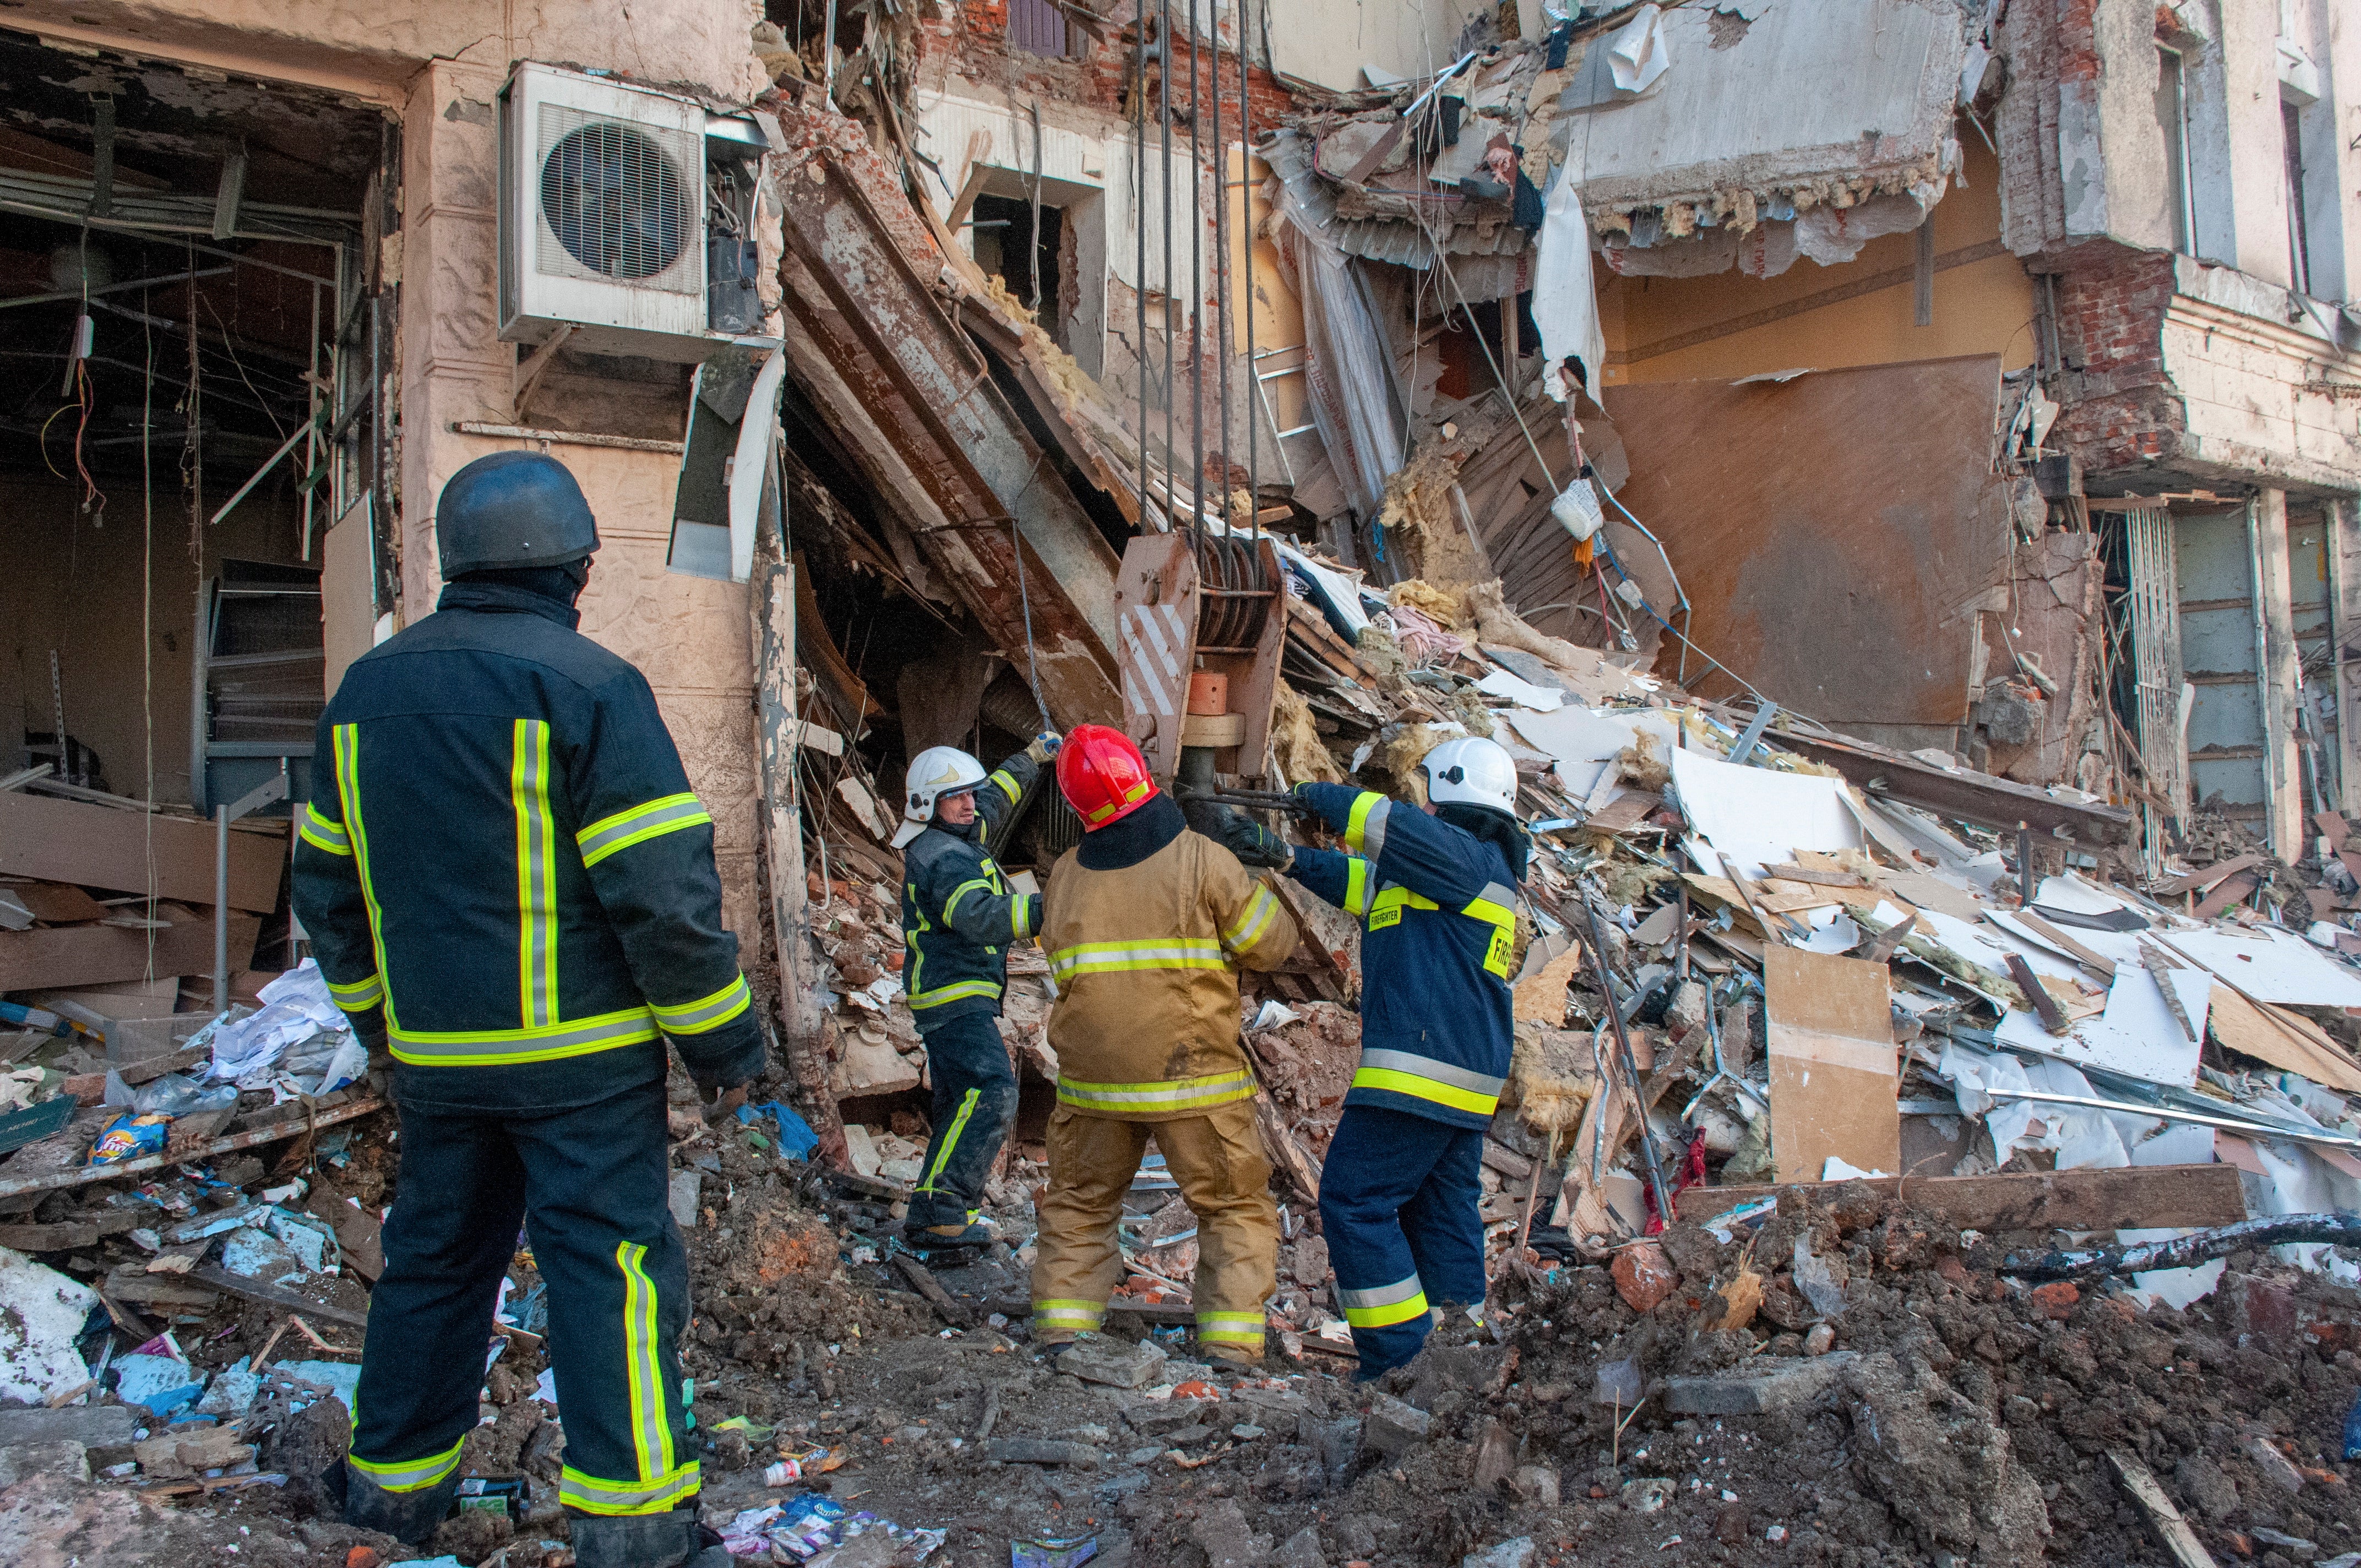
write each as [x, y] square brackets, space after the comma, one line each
[1833, 1065]
[1759, 818]
[2283, 1039]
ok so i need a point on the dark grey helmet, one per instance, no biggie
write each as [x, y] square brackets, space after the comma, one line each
[513, 509]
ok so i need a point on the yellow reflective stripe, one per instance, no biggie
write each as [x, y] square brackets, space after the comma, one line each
[592, 1496]
[506, 1047]
[1172, 1094]
[1400, 898]
[1019, 927]
[347, 740]
[1422, 1088]
[1364, 828]
[951, 905]
[1155, 952]
[1384, 1306]
[360, 995]
[667, 814]
[943, 994]
[1357, 885]
[323, 833]
[410, 1475]
[1252, 921]
[1131, 796]
[1006, 781]
[1503, 921]
[950, 1139]
[1231, 1328]
[706, 1012]
[1068, 1314]
[643, 1371]
[536, 876]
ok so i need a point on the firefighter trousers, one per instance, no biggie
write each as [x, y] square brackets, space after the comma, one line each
[975, 1101]
[1225, 1178]
[588, 1184]
[1398, 1207]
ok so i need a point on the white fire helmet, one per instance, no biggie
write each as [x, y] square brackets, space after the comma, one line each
[1471, 771]
[933, 773]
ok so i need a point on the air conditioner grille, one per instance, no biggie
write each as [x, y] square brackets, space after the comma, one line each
[616, 201]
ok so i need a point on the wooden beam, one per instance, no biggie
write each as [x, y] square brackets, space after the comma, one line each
[1980, 798]
[287, 1127]
[270, 1295]
[2130, 1198]
[2172, 1529]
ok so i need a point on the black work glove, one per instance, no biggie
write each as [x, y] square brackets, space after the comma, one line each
[1254, 844]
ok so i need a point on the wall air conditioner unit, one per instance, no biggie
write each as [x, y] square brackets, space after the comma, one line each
[603, 216]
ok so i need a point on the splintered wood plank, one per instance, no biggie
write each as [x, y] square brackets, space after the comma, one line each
[2092, 1199]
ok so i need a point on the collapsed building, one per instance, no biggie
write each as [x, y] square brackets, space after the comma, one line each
[1887, 468]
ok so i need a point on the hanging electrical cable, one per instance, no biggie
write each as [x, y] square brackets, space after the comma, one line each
[1164, 118]
[1245, 210]
[1196, 292]
[1223, 324]
[1139, 230]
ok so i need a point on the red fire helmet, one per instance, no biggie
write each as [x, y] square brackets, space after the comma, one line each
[1102, 776]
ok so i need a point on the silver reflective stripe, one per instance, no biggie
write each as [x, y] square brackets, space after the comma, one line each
[494, 1045]
[1373, 831]
[1169, 1092]
[1428, 1068]
[696, 1016]
[626, 828]
[1383, 1296]
[1506, 897]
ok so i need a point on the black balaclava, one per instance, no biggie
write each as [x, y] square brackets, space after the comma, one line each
[1497, 828]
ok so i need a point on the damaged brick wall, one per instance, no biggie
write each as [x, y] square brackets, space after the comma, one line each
[971, 38]
[2121, 413]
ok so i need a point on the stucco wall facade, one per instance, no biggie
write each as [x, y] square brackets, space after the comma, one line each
[435, 66]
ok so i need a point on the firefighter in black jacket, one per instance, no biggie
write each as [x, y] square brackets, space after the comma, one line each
[508, 881]
[960, 918]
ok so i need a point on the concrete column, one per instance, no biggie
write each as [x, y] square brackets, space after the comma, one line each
[2284, 804]
[2344, 630]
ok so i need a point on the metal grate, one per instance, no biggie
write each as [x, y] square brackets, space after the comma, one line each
[614, 201]
[2156, 662]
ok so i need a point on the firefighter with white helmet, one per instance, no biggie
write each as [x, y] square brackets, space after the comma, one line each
[1436, 896]
[960, 918]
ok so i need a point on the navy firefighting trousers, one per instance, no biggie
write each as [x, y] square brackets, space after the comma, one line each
[975, 1103]
[1398, 1206]
[588, 1185]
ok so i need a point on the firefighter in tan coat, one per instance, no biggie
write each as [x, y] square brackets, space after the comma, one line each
[1144, 923]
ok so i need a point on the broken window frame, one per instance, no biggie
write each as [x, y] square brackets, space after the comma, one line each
[1030, 27]
[2172, 75]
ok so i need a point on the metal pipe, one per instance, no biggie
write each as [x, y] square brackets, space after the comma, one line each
[1631, 1067]
[221, 909]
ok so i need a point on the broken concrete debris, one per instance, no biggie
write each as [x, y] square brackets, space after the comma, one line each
[1978, 1184]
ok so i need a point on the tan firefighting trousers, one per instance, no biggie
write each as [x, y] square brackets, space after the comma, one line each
[1217, 1159]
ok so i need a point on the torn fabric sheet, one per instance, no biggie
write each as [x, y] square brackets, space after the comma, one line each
[1565, 301]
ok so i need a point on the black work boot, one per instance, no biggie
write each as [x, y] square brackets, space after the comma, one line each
[409, 1517]
[643, 1540]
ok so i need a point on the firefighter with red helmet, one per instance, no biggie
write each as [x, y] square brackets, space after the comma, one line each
[1147, 924]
